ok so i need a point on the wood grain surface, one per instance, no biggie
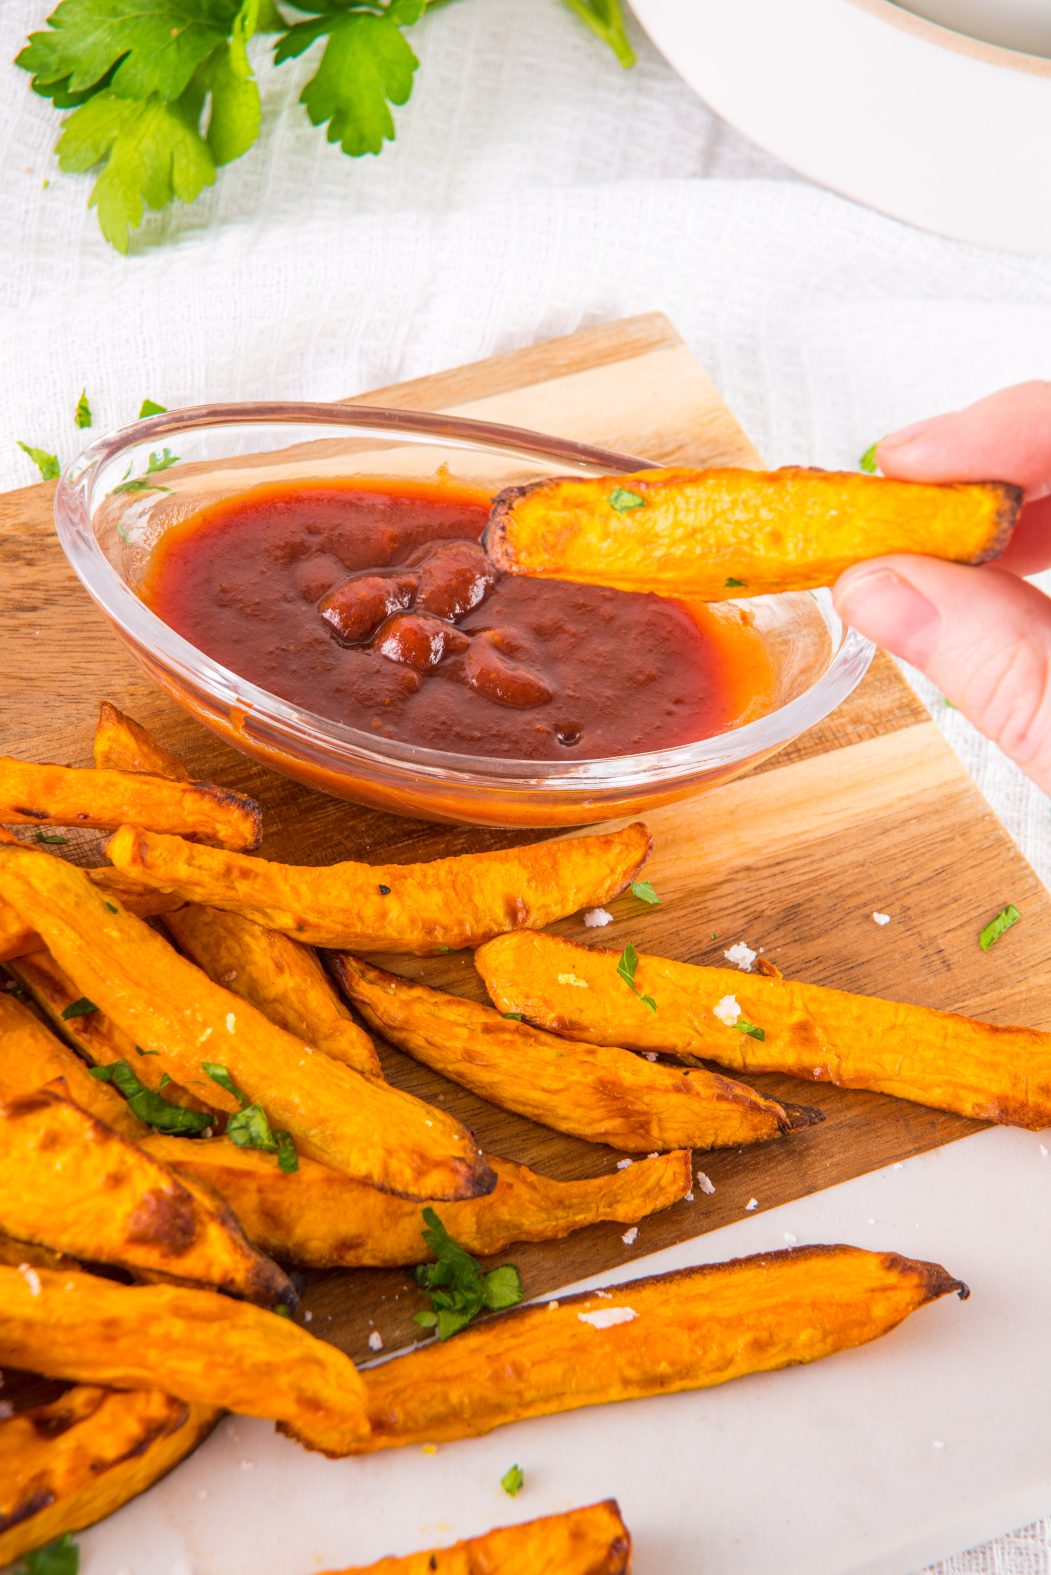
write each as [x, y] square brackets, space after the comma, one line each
[868, 812]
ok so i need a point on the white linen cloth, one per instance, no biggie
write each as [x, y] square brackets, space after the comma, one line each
[535, 188]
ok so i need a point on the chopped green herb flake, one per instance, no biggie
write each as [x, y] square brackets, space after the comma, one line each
[513, 1481]
[750, 1029]
[287, 1158]
[156, 462]
[53, 839]
[218, 1074]
[151, 408]
[443, 948]
[734, 585]
[149, 1105]
[140, 1051]
[996, 927]
[455, 1285]
[627, 963]
[61, 1557]
[250, 1128]
[46, 463]
[624, 501]
[82, 414]
[868, 461]
[110, 908]
[643, 890]
[514, 1017]
[384, 891]
[79, 1008]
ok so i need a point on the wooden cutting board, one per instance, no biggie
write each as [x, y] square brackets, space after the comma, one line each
[871, 811]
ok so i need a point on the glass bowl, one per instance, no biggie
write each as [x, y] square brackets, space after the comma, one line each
[108, 531]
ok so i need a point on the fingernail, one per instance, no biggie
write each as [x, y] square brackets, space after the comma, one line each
[905, 437]
[883, 605]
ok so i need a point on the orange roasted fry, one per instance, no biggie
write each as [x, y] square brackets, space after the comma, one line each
[122, 744]
[323, 1220]
[601, 1093]
[204, 1348]
[278, 975]
[65, 1465]
[31, 1056]
[166, 1005]
[590, 1541]
[50, 795]
[17, 938]
[421, 908]
[710, 535]
[856, 1041]
[73, 1184]
[686, 1330]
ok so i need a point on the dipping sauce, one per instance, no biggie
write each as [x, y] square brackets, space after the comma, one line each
[375, 606]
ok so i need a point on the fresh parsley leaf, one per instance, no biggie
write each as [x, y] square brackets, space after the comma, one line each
[868, 461]
[250, 1126]
[82, 1007]
[627, 963]
[735, 585]
[287, 1158]
[82, 414]
[367, 66]
[149, 1105]
[996, 927]
[218, 1074]
[454, 1283]
[623, 500]
[643, 890]
[236, 111]
[750, 1029]
[53, 839]
[61, 1557]
[513, 1481]
[606, 20]
[46, 463]
[150, 407]
[162, 461]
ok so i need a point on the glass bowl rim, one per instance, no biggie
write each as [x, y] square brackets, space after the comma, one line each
[172, 652]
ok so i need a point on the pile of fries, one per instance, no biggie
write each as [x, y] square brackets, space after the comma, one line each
[191, 1102]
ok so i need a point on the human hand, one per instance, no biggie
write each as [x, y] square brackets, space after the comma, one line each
[982, 634]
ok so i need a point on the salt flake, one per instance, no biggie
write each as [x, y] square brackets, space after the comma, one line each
[881, 918]
[629, 1236]
[706, 1184]
[231, 1022]
[741, 955]
[753, 1203]
[31, 1278]
[727, 1010]
[375, 1341]
[606, 1317]
[571, 978]
[622, 1164]
[597, 918]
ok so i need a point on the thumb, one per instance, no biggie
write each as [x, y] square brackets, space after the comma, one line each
[983, 636]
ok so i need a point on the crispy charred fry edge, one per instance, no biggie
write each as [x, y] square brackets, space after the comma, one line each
[122, 744]
[66, 1465]
[600, 1093]
[421, 908]
[204, 1348]
[590, 1541]
[167, 1005]
[324, 1220]
[716, 534]
[50, 795]
[687, 1330]
[73, 1184]
[934, 1058]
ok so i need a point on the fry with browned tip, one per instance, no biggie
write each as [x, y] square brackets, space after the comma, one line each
[716, 534]
[686, 1330]
[166, 1005]
[204, 1348]
[31, 1056]
[421, 908]
[73, 1184]
[122, 744]
[590, 1541]
[599, 1092]
[323, 1220]
[69, 1463]
[856, 1041]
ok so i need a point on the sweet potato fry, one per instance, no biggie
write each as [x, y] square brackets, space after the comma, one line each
[122, 744]
[856, 1041]
[15, 1253]
[31, 1056]
[602, 1093]
[17, 938]
[422, 908]
[686, 1330]
[278, 975]
[50, 795]
[324, 1220]
[590, 1541]
[714, 534]
[204, 1348]
[166, 1005]
[69, 1182]
[65, 1465]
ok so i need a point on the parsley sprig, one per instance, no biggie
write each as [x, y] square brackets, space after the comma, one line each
[457, 1288]
[61, 1557]
[250, 1126]
[996, 927]
[627, 963]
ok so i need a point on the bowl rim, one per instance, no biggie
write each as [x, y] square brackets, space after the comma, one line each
[287, 723]
[942, 36]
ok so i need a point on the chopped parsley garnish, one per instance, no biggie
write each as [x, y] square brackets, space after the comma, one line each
[112, 908]
[513, 1481]
[456, 1286]
[61, 1557]
[140, 1051]
[643, 890]
[744, 1027]
[81, 1007]
[82, 414]
[996, 927]
[627, 963]
[54, 839]
[150, 407]
[384, 891]
[156, 462]
[149, 1105]
[250, 1126]
[514, 1017]
[868, 462]
[46, 463]
[624, 501]
[733, 585]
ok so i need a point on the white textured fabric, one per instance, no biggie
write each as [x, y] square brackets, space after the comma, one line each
[535, 188]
